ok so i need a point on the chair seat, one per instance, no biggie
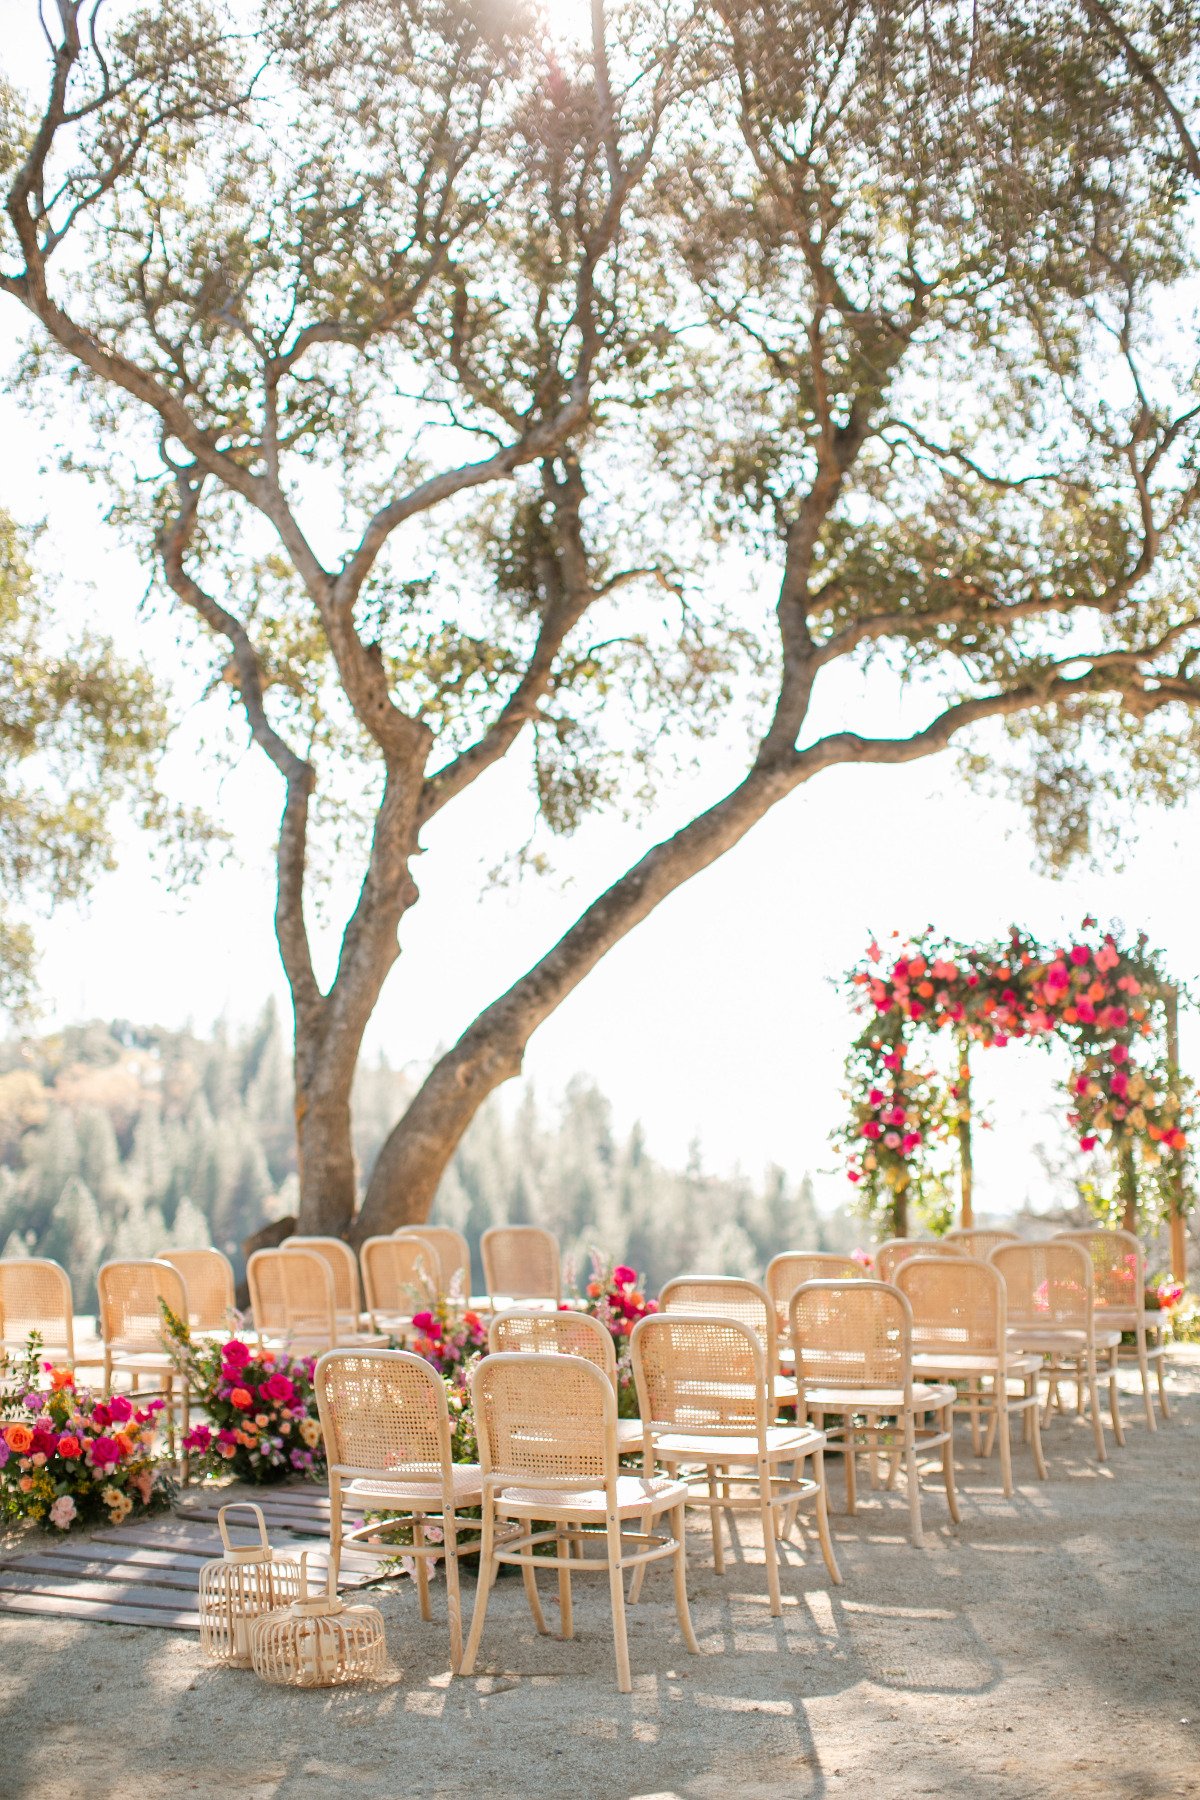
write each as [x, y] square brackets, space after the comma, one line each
[151, 1362]
[1070, 1340]
[736, 1447]
[635, 1495]
[834, 1399]
[785, 1390]
[630, 1435]
[948, 1364]
[1120, 1318]
[391, 1324]
[465, 1480]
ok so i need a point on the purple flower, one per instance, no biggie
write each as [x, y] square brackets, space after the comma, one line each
[34, 1401]
[4, 1452]
[301, 1459]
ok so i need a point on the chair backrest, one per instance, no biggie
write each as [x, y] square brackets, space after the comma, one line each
[545, 1421]
[727, 1297]
[537, 1332]
[792, 1268]
[1118, 1268]
[400, 1274]
[208, 1277]
[383, 1409]
[705, 1376]
[957, 1305]
[292, 1291]
[1048, 1285]
[35, 1295]
[453, 1253]
[851, 1334]
[894, 1251]
[521, 1262]
[980, 1240]
[342, 1261]
[130, 1292]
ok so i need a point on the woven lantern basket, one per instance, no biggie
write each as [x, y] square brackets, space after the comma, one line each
[244, 1584]
[318, 1641]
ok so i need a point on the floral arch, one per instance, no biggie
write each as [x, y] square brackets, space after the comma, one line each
[1109, 1002]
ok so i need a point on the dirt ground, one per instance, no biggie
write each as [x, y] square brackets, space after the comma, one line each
[1046, 1646]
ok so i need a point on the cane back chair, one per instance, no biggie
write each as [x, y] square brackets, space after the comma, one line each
[960, 1334]
[548, 1452]
[401, 1275]
[521, 1264]
[347, 1288]
[294, 1302]
[535, 1331]
[35, 1295]
[705, 1399]
[790, 1270]
[853, 1348]
[388, 1445]
[731, 1297]
[454, 1258]
[894, 1251]
[1119, 1297]
[1049, 1291]
[208, 1277]
[132, 1295]
[980, 1240]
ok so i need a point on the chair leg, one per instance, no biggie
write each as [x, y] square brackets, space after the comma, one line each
[948, 1462]
[1097, 1423]
[1144, 1366]
[679, 1567]
[529, 1577]
[422, 1562]
[483, 1587]
[975, 1439]
[823, 1532]
[566, 1614]
[848, 1458]
[718, 1524]
[1006, 1480]
[767, 1514]
[914, 1483]
[616, 1588]
[1114, 1395]
[335, 1525]
[1034, 1418]
[453, 1592]
[1161, 1363]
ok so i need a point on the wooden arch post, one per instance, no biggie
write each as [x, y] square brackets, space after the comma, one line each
[966, 1164]
[1178, 1221]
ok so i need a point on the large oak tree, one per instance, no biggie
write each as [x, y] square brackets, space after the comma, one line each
[482, 394]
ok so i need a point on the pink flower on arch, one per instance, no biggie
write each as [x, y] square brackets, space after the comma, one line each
[1080, 954]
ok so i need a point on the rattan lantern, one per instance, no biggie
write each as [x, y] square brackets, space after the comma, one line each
[318, 1641]
[245, 1583]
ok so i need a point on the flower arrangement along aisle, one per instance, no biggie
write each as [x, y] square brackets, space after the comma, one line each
[616, 1296]
[69, 1458]
[261, 1407]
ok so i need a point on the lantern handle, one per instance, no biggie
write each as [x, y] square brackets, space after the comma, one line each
[240, 1550]
[316, 1604]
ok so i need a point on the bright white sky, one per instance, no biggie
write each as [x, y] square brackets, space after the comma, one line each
[717, 1019]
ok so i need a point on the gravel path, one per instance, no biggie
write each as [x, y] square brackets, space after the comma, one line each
[1047, 1646]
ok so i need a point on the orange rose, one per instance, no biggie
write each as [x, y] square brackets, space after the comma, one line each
[68, 1447]
[19, 1439]
[61, 1378]
[242, 1398]
[123, 1442]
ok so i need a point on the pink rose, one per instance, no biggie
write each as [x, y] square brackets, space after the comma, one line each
[101, 1415]
[1080, 954]
[105, 1452]
[624, 1276]
[1085, 1011]
[1119, 1053]
[278, 1387]
[1120, 1085]
[872, 1129]
[1088, 1143]
[236, 1353]
[119, 1409]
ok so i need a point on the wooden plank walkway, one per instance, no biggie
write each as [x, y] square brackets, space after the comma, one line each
[147, 1573]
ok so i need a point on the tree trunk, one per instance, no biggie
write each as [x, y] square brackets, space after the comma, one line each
[415, 1156]
[325, 1154]
[900, 1212]
[1179, 1256]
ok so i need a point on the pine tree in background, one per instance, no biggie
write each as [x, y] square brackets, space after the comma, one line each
[124, 1141]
